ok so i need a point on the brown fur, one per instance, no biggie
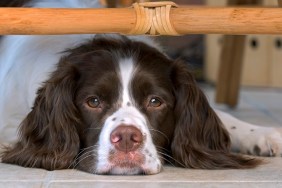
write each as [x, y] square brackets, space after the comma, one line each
[48, 135]
[200, 140]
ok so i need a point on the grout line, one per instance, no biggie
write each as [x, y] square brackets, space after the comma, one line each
[166, 181]
[142, 181]
[48, 179]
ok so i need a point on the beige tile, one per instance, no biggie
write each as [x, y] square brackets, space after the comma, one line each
[21, 184]
[166, 185]
[262, 106]
[16, 173]
[269, 173]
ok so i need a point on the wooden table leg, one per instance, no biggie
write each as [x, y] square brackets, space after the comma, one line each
[229, 76]
[111, 3]
[231, 61]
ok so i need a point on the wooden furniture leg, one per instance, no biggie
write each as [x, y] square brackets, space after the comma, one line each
[231, 60]
[111, 3]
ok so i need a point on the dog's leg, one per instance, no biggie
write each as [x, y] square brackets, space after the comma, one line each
[252, 139]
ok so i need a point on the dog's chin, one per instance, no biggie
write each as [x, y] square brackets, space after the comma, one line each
[126, 170]
[120, 163]
[121, 169]
[132, 163]
[137, 170]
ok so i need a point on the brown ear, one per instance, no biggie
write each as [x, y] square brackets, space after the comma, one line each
[200, 140]
[48, 135]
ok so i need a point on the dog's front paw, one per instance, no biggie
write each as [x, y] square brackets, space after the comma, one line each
[263, 142]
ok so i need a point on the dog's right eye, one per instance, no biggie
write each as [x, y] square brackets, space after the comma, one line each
[93, 102]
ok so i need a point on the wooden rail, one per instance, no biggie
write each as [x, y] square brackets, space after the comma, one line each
[186, 20]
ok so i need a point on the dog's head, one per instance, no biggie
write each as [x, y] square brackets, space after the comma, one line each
[119, 106]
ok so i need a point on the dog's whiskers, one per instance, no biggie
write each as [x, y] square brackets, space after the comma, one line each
[83, 150]
[162, 148]
[161, 133]
[170, 157]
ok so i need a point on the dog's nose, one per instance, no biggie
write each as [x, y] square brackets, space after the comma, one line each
[126, 138]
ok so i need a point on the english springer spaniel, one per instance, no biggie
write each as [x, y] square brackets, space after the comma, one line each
[111, 104]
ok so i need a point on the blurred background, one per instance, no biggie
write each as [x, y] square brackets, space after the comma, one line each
[262, 54]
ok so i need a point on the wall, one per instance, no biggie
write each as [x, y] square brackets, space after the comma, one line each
[262, 65]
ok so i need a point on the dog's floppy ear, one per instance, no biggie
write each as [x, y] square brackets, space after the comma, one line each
[48, 135]
[200, 140]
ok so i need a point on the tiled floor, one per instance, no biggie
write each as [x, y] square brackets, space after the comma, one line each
[261, 106]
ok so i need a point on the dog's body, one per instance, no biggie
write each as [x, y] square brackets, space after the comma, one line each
[114, 105]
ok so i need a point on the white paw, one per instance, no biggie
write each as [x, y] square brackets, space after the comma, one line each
[263, 142]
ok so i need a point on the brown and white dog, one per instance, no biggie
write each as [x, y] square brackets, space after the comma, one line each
[110, 104]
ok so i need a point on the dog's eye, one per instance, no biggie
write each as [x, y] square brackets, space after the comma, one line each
[93, 102]
[155, 102]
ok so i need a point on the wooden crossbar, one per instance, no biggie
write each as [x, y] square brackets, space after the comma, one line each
[185, 20]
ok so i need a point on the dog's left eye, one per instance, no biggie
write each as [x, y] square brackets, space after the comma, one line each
[155, 102]
[93, 102]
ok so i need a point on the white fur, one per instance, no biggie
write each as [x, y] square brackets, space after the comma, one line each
[245, 137]
[126, 116]
[126, 72]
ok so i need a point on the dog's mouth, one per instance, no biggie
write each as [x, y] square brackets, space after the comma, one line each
[126, 158]
[131, 163]
[126, 163]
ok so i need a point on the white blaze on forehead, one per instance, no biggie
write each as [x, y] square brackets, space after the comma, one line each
[126, 71]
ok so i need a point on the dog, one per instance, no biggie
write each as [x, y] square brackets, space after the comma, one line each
[111, 104]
